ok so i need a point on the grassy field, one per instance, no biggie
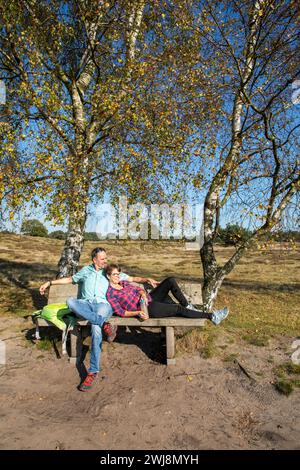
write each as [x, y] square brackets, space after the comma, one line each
[262, 292]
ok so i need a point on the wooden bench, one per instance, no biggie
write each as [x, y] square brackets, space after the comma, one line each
[59, 294]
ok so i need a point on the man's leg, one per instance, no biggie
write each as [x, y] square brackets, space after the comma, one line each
[95, 355]
[85, 310]
[109, 329]
[103, 311]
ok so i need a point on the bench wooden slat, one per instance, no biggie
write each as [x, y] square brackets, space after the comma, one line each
[158, 322]
[152, 322]
[59, 294]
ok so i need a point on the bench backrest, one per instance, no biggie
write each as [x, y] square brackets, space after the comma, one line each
[59, 294]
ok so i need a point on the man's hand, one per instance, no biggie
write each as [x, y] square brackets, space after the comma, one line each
[44, 287]
[153, 282]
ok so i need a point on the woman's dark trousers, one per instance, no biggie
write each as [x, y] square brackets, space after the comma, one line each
[161, 307]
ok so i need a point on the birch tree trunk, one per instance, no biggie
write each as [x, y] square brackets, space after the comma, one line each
[212, 273]
[86, 136]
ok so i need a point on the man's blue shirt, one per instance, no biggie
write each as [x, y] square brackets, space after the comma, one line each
[93, 284]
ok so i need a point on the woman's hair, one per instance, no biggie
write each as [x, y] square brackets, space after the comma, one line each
[110, 267]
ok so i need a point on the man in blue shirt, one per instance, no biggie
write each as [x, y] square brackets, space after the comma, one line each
[92, 305]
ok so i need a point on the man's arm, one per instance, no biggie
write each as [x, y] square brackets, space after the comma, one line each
[63, 280]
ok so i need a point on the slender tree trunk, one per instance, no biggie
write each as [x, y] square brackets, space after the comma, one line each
[78, 202]
[86, 133]
[214, 274]
[210, 290]
[69, 260]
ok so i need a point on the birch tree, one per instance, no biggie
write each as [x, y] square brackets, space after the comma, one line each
[85, 83]
[256, 137]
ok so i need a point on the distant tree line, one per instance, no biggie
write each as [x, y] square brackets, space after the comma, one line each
[234, 234]
[231, 235]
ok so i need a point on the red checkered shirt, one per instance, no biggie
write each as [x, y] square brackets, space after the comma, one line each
[124, 299]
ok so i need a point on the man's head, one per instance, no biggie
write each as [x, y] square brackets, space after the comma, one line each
[99, 258]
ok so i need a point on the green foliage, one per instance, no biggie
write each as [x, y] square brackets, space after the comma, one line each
[288, 377]
[34, 228]
[233, 234]
[282, 236]
[58, 234]
[91, 236]
[256, 339]
[284, 386]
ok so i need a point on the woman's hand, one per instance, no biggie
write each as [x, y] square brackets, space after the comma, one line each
[143, 315]
[44, 287]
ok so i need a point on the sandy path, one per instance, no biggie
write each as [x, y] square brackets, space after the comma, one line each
[138, 403]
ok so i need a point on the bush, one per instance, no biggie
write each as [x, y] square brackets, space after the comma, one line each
[91, 236]
[34, 228]
[233, 234]
[58, 234]
[7, 232]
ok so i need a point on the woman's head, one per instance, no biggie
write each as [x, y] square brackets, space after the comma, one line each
[112, 272]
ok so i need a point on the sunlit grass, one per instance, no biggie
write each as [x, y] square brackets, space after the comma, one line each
[262, 292]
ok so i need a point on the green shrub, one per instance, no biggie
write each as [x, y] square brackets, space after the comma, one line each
[58, 234]
[34, 228]
[233, 234]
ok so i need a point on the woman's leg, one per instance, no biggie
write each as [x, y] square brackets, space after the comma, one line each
[160, 293]
[161, 310]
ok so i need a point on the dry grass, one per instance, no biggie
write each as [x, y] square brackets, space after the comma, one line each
[262, 292]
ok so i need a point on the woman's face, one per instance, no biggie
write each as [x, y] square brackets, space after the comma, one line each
[114, 276]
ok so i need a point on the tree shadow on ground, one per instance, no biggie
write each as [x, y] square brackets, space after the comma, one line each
[255, 286]
[20, 275]
[50, 333]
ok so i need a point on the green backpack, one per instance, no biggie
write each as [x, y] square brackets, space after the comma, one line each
[55, 313]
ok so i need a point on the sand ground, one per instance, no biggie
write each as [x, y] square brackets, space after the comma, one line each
[140, 403]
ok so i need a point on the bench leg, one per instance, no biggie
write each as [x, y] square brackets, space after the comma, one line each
[76, 344]
[170, 339]
[37, 329]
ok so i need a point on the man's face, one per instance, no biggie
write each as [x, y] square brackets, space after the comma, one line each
[100, 260]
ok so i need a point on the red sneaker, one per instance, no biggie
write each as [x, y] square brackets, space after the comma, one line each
[88, 382]
[110, 331]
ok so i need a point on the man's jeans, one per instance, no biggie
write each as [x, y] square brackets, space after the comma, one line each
[96, 314]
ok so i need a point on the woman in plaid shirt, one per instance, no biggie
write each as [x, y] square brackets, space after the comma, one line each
[128, 300]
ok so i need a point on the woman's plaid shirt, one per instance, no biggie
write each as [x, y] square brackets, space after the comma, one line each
[124, 299]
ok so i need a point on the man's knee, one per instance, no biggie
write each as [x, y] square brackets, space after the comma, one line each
[70, 302]
[105, 310]
[171, 280]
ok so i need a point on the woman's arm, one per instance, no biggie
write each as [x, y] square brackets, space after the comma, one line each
[138, 313]
[132, 314]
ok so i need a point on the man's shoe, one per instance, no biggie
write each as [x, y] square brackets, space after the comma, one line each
[88, 382]
[219, 315]
[110, 331]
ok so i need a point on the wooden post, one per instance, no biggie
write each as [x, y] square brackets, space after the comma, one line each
[170, 338]
[76, 344]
